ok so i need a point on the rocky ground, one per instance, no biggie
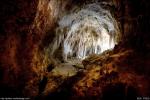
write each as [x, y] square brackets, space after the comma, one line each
[119, 74]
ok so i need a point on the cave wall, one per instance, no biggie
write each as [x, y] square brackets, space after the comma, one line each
[24, 27]
[134, 21]
[16, 43]
[27, 26]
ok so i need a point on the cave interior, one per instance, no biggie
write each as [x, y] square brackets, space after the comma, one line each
[75, 49]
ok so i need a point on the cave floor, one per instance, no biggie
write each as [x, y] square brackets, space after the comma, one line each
[97, 74]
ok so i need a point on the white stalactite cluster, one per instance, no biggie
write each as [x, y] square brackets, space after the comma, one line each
[85, 31]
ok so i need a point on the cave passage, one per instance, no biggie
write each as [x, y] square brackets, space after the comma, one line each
[85, 30]
[75, 49]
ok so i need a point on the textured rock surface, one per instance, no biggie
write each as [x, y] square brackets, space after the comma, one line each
[27, 28]
[106, 76]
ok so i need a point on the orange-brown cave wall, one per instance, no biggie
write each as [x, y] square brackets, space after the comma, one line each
[17, 45]
[25, 24]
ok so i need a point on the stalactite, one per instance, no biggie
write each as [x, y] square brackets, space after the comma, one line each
[90, 30]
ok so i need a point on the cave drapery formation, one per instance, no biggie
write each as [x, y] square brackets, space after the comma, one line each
[36, 34]
[89, 30]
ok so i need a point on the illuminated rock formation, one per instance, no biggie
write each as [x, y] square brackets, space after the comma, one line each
[85, 31]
